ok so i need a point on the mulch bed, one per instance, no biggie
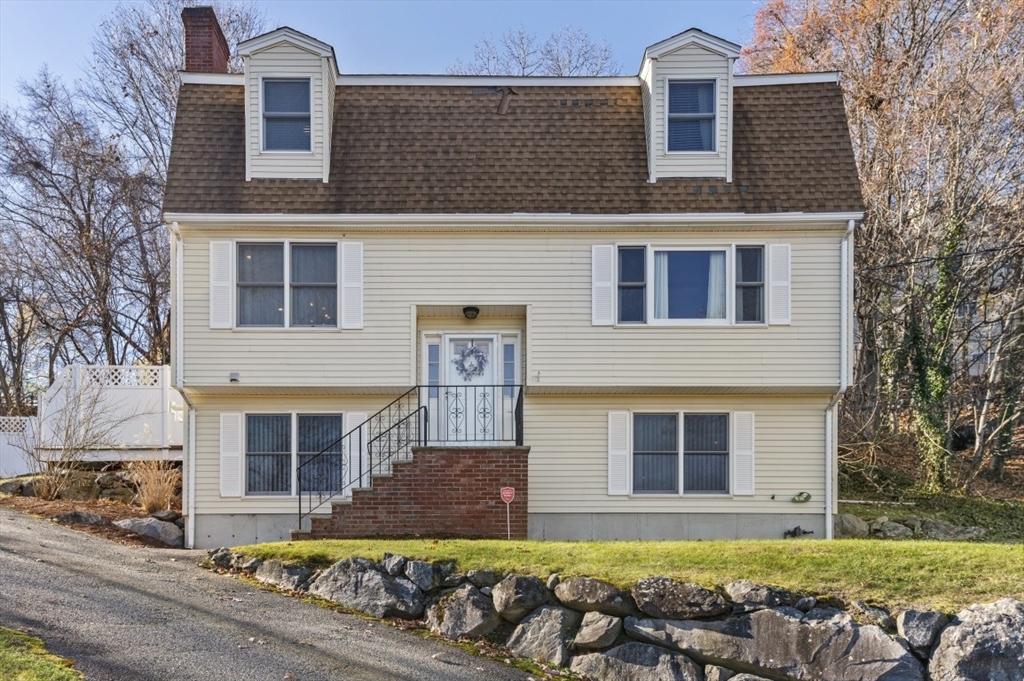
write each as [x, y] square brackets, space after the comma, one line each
[110, 510]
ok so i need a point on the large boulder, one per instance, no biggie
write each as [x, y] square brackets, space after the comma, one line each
[394, 565]
[921, 628]
[666, 599]
[586, 594]
[869, 614]
[848, 525]
[422, 574]
[597, 631]
[894, 530]
[168, 533]
[545, 635]
[464, 612]
[82, 518]
[780, 643]
[80, 488]
[516, 596]
[638, 662]
[12, 486]
[483, 578]
[983, 643]
[282, 575]
[750, 596]
[944, 531]
[359, 584]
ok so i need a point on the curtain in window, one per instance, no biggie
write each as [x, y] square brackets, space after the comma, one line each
[661, 284]
[317, 432]
[268, 447]
[314, 284]
[706, 453]
[716, 285]
[705, 94]
[655, 453]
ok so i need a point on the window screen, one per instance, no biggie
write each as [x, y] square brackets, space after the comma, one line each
[268, 453]
[655, 453]
[286, 120]
[706, 453]
[261, 284]
[314, 284]
[691, 116]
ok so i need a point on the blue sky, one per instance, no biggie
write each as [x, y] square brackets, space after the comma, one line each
[383, 36]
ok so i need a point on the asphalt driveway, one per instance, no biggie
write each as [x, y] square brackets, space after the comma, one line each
[137, 614]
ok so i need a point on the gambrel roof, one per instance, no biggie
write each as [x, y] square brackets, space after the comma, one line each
[581, 149]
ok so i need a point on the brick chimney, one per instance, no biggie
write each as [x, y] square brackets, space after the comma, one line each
[206, 49]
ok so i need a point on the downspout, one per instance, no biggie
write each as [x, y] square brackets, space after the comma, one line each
[831, 429]
[179, 384]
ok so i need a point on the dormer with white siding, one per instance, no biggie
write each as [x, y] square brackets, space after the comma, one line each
[290, 80]
[687, 83]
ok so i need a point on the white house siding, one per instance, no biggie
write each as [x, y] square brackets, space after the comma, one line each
[551, 275]
[568, 437]
[285, 61]
[691, 63]
[208, 410]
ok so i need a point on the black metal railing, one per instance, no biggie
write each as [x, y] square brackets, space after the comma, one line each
[439, 415]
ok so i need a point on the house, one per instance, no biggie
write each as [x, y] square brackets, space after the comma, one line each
[627, 298]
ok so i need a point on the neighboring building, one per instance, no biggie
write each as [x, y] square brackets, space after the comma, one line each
[629, 298]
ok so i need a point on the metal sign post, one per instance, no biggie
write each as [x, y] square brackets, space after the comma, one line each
[507, 495]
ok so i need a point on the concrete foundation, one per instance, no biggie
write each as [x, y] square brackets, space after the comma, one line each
[213, 531]
[669, 526]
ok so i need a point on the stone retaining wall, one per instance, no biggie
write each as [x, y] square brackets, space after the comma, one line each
[662, 629]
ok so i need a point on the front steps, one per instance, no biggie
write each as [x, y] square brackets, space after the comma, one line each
[440, 492]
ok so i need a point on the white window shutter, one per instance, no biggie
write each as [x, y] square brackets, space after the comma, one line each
[602, 282]
[618, 453]
[231, 455]
[358, 461]
[351, 285]
[743, 453]
[221, 285]
[780, 284]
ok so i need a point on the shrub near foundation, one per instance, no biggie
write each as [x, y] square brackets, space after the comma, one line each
[158, 483]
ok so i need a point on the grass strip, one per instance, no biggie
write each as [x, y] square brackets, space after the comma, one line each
[24, 658]
[942, 575]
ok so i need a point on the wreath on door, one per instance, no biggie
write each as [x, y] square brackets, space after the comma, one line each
[470, 362]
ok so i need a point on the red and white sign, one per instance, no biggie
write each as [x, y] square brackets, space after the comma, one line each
[508, 494]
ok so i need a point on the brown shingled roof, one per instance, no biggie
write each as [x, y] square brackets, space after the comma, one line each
[581, 149]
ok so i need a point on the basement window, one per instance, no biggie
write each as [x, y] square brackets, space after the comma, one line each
[286, 119]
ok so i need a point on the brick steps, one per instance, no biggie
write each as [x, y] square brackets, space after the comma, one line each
[440, 492]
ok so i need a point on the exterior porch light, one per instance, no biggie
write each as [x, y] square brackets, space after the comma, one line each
[470, 311]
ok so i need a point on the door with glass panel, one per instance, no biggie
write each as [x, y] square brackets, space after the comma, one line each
[471, 396]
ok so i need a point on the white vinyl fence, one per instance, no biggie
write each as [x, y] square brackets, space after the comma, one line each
[16, 434]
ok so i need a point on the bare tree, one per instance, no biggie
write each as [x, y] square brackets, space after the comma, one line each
[81, 419]
[569, 51]
[934, 97]
[82, 169]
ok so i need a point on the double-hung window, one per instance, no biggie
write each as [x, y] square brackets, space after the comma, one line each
[272, 454]
[656, 453]
[691, 115]
[286, 119]
[309, 292]
[689, 285]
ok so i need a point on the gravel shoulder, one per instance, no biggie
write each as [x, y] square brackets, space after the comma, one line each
[151, 614]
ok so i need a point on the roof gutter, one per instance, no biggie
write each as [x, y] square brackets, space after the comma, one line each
[484, 220]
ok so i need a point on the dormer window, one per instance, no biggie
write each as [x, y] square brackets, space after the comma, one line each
[691, 115]
[286, 121]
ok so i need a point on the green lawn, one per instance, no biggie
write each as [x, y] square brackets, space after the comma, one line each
[943, 575]
[24, 658]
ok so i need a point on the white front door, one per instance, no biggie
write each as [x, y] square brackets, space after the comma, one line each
[470, 402]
